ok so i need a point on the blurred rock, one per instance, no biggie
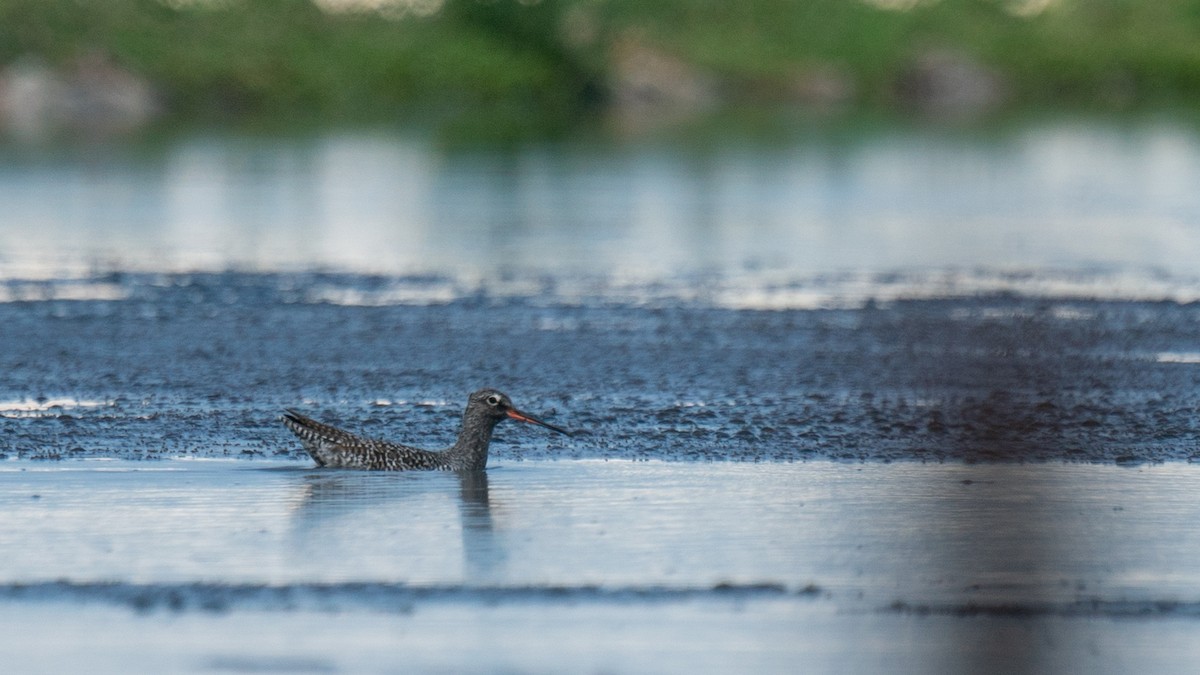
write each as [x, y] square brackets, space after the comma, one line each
[950, 83]
[650, 88]
[30, 95]
[822, 86]
[107, 95]
[93, 94]
[646, 76]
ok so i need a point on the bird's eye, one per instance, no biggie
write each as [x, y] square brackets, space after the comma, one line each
[493, 400]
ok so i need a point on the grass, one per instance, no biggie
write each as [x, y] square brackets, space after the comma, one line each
[553, 57]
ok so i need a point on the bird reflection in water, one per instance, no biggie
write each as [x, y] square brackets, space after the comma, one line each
[338, 515]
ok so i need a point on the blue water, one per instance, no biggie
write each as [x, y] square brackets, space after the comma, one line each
[858, 397]
[244, 566]
[800, 200]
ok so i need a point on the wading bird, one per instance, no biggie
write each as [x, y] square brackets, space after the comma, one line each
[486, 408]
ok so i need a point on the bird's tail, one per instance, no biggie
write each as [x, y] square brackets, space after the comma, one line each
[312, 434]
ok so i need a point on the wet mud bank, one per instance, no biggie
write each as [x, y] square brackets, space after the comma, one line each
[145, 366]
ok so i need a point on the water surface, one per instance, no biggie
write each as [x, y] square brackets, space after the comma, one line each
[804, 199]
[856, 397]
[201, 566]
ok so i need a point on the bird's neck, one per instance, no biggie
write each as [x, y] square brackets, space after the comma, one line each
[471, 448]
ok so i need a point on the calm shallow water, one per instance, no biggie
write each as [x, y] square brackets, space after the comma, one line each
[803, 200]
[209, 566]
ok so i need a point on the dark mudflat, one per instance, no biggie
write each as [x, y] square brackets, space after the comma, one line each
[171, 365]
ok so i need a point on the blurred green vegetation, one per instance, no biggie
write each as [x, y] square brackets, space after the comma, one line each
[561, 57]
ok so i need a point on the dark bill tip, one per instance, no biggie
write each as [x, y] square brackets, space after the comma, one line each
[526, 417]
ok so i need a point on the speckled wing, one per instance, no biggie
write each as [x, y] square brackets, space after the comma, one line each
[330, 446]
[315, 436]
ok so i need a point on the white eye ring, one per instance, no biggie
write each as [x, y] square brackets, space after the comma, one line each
[493, 400]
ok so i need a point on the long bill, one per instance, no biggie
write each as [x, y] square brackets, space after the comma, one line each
[526, 417]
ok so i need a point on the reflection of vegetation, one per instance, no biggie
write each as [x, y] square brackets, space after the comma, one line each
[559, 55]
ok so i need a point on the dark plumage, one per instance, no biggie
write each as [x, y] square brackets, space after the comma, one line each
[486, 408]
